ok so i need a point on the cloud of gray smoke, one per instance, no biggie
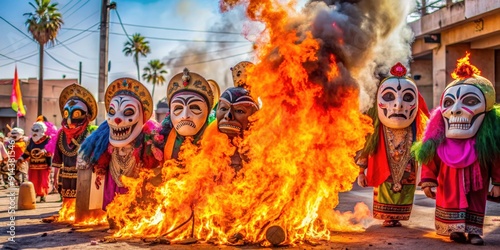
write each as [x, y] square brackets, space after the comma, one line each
[366, 37]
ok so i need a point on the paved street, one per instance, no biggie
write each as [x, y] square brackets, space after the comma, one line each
[417, 233]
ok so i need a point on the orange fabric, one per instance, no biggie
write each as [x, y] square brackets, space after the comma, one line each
[378, 167]
[169, 146]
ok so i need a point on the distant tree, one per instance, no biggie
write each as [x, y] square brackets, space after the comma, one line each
[135, 47]
[43, 24]
[153, 73]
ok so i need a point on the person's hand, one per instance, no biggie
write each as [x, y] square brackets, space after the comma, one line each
[362, 180]
[495, 191]
[429, 193]
[98, 181]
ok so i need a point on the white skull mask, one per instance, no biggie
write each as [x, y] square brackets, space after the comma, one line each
[463, 108]
[17, 134]
[38, 131]
[189, 112]
[125, 120]
[397, 103]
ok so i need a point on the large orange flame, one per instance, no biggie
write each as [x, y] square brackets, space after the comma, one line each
[464, 68]
[301, 147]
[67, 215]
[67, 211]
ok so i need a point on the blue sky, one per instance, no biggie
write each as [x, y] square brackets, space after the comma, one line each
[79, 40]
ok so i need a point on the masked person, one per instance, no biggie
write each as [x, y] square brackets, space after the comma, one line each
[463, 138]
[19, 146]
[190, 97]
[50, 147]
[235, 106]
[123, 144]
[39, 159]
[78, 108]
[399, 118]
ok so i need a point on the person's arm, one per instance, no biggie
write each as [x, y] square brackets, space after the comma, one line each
[27, 153]
[429, 177]
[362, 162]
[495, 178]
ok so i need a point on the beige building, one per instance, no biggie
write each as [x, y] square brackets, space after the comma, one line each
[444, 36]
[29, 87]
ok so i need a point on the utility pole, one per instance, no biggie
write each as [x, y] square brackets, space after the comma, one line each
[103, 57]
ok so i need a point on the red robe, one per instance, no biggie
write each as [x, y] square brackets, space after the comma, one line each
[451, 215]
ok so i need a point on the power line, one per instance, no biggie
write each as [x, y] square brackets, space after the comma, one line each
[208, 52]
[72, 51]
[119, 18]
[47, 68]
[176, 29]
[183, 40]
[211, 60]
[15, 27]
[35, 53]
[77, 9]
[67, 4]
[61, 63]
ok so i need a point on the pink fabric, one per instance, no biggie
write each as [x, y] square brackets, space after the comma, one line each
[460, 154]
[110, 191]
[52, 132]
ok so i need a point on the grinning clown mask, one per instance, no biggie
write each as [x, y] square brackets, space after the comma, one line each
[397, 102]
[189, 112]
[38, 131]
[235, 106]
[125, 120]
[75, 113]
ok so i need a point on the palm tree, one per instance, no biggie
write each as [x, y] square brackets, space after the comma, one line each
[137, 46]
[153, 73]
[43, 24]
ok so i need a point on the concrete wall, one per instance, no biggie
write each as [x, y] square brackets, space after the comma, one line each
[423, 68]
[473, 26]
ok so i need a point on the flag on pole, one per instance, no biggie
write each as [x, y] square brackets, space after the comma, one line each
[16, 98]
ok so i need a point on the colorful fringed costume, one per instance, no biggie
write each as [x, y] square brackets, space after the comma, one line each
[125, 143]
[399, 119]
[78, 108]
[460, 152]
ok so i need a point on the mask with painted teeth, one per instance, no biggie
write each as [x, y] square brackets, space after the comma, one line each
[125, 120]
[463, 108]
